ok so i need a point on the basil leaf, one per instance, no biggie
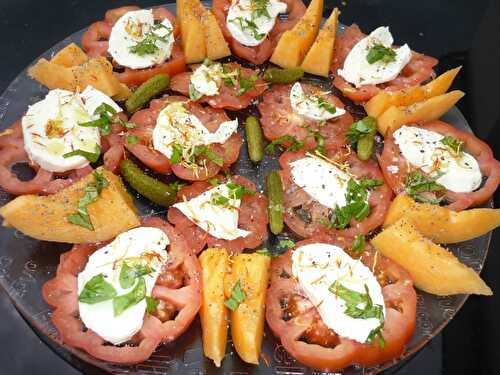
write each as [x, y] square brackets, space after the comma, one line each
[453, 144]
[151, 304]
[148, 46]
[281, 142]
[193, 93]
[219, 200]
[416, 183]
[209, 154]
[136, 295]
[237, 297]
[246, 84]
[176, 154]
[132, 139]
[327, 106]
[90, 156]
[380, 53]
[96, 290]
[358, 129]
[128, 274]
[213, 181]
[104, 109]
[358, 245]
[236, 191]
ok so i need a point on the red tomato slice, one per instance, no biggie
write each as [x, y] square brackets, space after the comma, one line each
[279, 119]
[261, 53]
[305, 337]
[303, 215]
[489, 166]
[227, 97]
[252, 217]
[95, 43]
[211, 119]
[185, 299]
[418, 70]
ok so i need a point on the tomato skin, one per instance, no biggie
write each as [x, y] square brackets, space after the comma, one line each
[295, 197]
[400, 300]
[489, 166]
[252, 217]
[211, 119]
[227, 97]
[61, 293]
[279, 119]
[418, 70]
[95, 43]
[261, 53]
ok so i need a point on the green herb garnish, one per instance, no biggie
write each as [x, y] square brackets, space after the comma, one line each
[96, 290]
[249, 25]
[151, 304]
[327, 106]
[136, 295]
[281, 143]
[193, 93]
[380, 53]
[365, 126]
[286, 244]
[359, 243]
[128, 274]
[453, 144]
[92, 192]
[265, 252]
[176, 154]
[148, 46]
[237, 297]
[246, 84]
[416, 183]
[90, 156]
[208, 153]
[132, 139]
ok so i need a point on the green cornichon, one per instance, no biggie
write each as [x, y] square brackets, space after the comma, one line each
[147, 91]
[274, 188]
[277, 75]
[254, 139]
[147, 186]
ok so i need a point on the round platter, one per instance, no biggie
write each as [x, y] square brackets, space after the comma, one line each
[26, 264]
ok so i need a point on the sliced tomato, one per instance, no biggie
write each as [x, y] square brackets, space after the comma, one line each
[304, 215]
[261, 53]
[252, 217]
[95, 43]
[490, 167]
[61, 293]
[418, 70]
[296, 322]
[227, 97]
[211, 119]
[278, 118]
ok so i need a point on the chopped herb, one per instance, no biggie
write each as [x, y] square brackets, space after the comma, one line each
[107, 116]
[193, 93]
[380, 53]
[249, 25]
[90, 156]
[327, 106]
[219, 200]
[176, 186]
[237, 297]
[236, 191]
[176, 154]
[356, 204]
[365, 126]
[101, 123]
[320, 143]
[260, 9]
[353, 299]
[359, 243]
[151, 304]
[213, 181]
[136, 295]
[377, 332]
[229, 76]
[209, 154]
[246, 84]
[148, 45]
[453, 144]
[416, 183]
[129, 274]
[129, 125]
[132, 139]
[286, 244]
[282, 142]
[96, 290]
[92, 192]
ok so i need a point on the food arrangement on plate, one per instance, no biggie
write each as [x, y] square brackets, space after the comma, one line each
[152, 102]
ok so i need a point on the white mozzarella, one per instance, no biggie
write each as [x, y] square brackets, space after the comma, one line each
[207, 79]
[423, 149]
[323, 181]
[219, 221]
[249, 28]
[317, 266]
[175, 125]
[146, 242]
[50, 130]
[93, 98]
[134, 27]
[359, 72]
[310, 106]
